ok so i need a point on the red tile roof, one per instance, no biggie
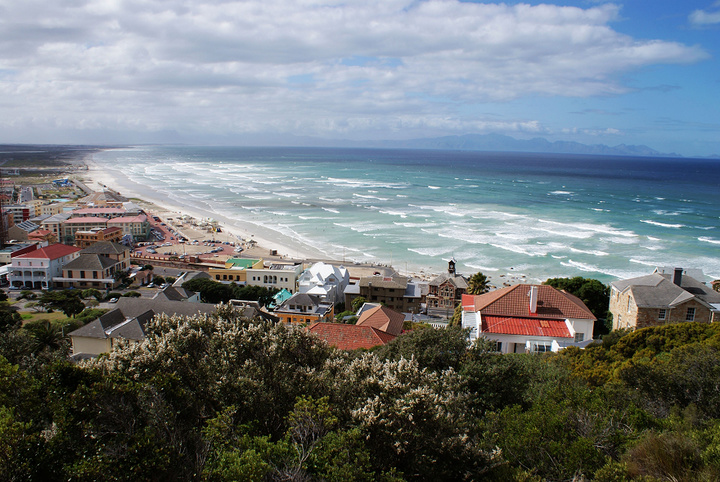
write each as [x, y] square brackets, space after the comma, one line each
[383, 318]
[514, 301]
[54, 251]
[350, 337]
[140, 218]
[84, 211]
[525, 326]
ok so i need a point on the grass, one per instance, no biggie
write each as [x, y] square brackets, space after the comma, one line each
[28, 316]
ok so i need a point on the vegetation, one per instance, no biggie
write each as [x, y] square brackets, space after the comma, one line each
[212, 291]
[478, 284]
[594, 294]
[221, 397]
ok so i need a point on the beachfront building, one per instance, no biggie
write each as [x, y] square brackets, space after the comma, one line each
[663, 297]
[235, 270]
[36, 269]
[127, 321]
[325, 281]
[137, 226]
[95, 267]
[396, 292]
[100, 212]
[104, 198]
[305, 308]
[350, 337]
[73, 225]
[282, 276]
[528, 318]
[445, 292]
[83, 239]
[54, 223]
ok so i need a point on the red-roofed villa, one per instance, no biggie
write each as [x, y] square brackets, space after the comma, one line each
[36, 269]
[528, 318]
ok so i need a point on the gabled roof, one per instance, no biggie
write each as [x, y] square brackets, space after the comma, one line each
[54, 251]
[350, 337]
[141, 309]
[525, 326]
[106, 248]
[27, 226]
[658, 291]
[90, 262]
[457, 280]
[173, 293]
[383, 318]
[514, 301]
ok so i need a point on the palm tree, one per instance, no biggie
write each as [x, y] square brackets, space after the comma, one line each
[478, 284]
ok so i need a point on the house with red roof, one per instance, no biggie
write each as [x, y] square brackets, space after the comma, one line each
[350, 337]
[382, 318]
[528, 318]
[36, 269]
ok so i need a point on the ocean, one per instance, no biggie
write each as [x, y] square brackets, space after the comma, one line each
[504, 214]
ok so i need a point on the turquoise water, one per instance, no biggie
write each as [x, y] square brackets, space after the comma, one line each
[536, 215]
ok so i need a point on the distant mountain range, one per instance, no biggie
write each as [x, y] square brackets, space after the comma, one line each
[499, 142]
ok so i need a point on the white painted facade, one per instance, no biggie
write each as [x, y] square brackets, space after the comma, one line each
[326, 281]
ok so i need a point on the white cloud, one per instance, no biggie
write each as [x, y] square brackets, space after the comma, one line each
[307, 68]
[702, 18]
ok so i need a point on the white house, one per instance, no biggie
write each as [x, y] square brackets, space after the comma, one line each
[276, 275]
[528, 318]
[36, 269]
[325, 281]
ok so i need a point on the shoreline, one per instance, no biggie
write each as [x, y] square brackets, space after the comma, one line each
[99, 178]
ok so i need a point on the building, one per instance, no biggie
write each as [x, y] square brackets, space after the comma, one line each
[173, 293]
[99, 212]
[305, 308]
[86, 223]
[18, 212]
[382, 318]
[11, 250]
[662, 298]
[326, 281]
[54, 223]
[51, 209]
[396, 292]
[37, 269]
[235, 270]
[445, 292]
[137, 226]
[528, 318]
[127, 321]
[282, 276]
[350, 337]
[83, 239]
[104, 198]
[95, 267]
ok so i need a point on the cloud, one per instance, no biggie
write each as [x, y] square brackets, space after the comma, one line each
[304, 67]
[703, 18]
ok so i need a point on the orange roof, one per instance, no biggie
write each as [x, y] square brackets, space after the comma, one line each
[350, 337]
[525, 326]
[54, 251]
[383, 318]
[514, 301]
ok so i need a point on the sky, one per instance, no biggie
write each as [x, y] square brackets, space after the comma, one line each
[644, 72]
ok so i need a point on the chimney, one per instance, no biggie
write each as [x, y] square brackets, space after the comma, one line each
[533, 299]
[677, 276]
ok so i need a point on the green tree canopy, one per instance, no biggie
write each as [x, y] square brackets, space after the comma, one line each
[478, 284]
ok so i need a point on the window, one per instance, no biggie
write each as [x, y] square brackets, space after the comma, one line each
[579, 337]
[540, 346]
[662, 314]
[690, 316]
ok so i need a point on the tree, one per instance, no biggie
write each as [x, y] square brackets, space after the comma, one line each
[67, 301]
[592, 292]
[478, 284]
[357, 303]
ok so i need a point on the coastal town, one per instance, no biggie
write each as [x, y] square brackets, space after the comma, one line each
[70, 233]
[144, 342]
